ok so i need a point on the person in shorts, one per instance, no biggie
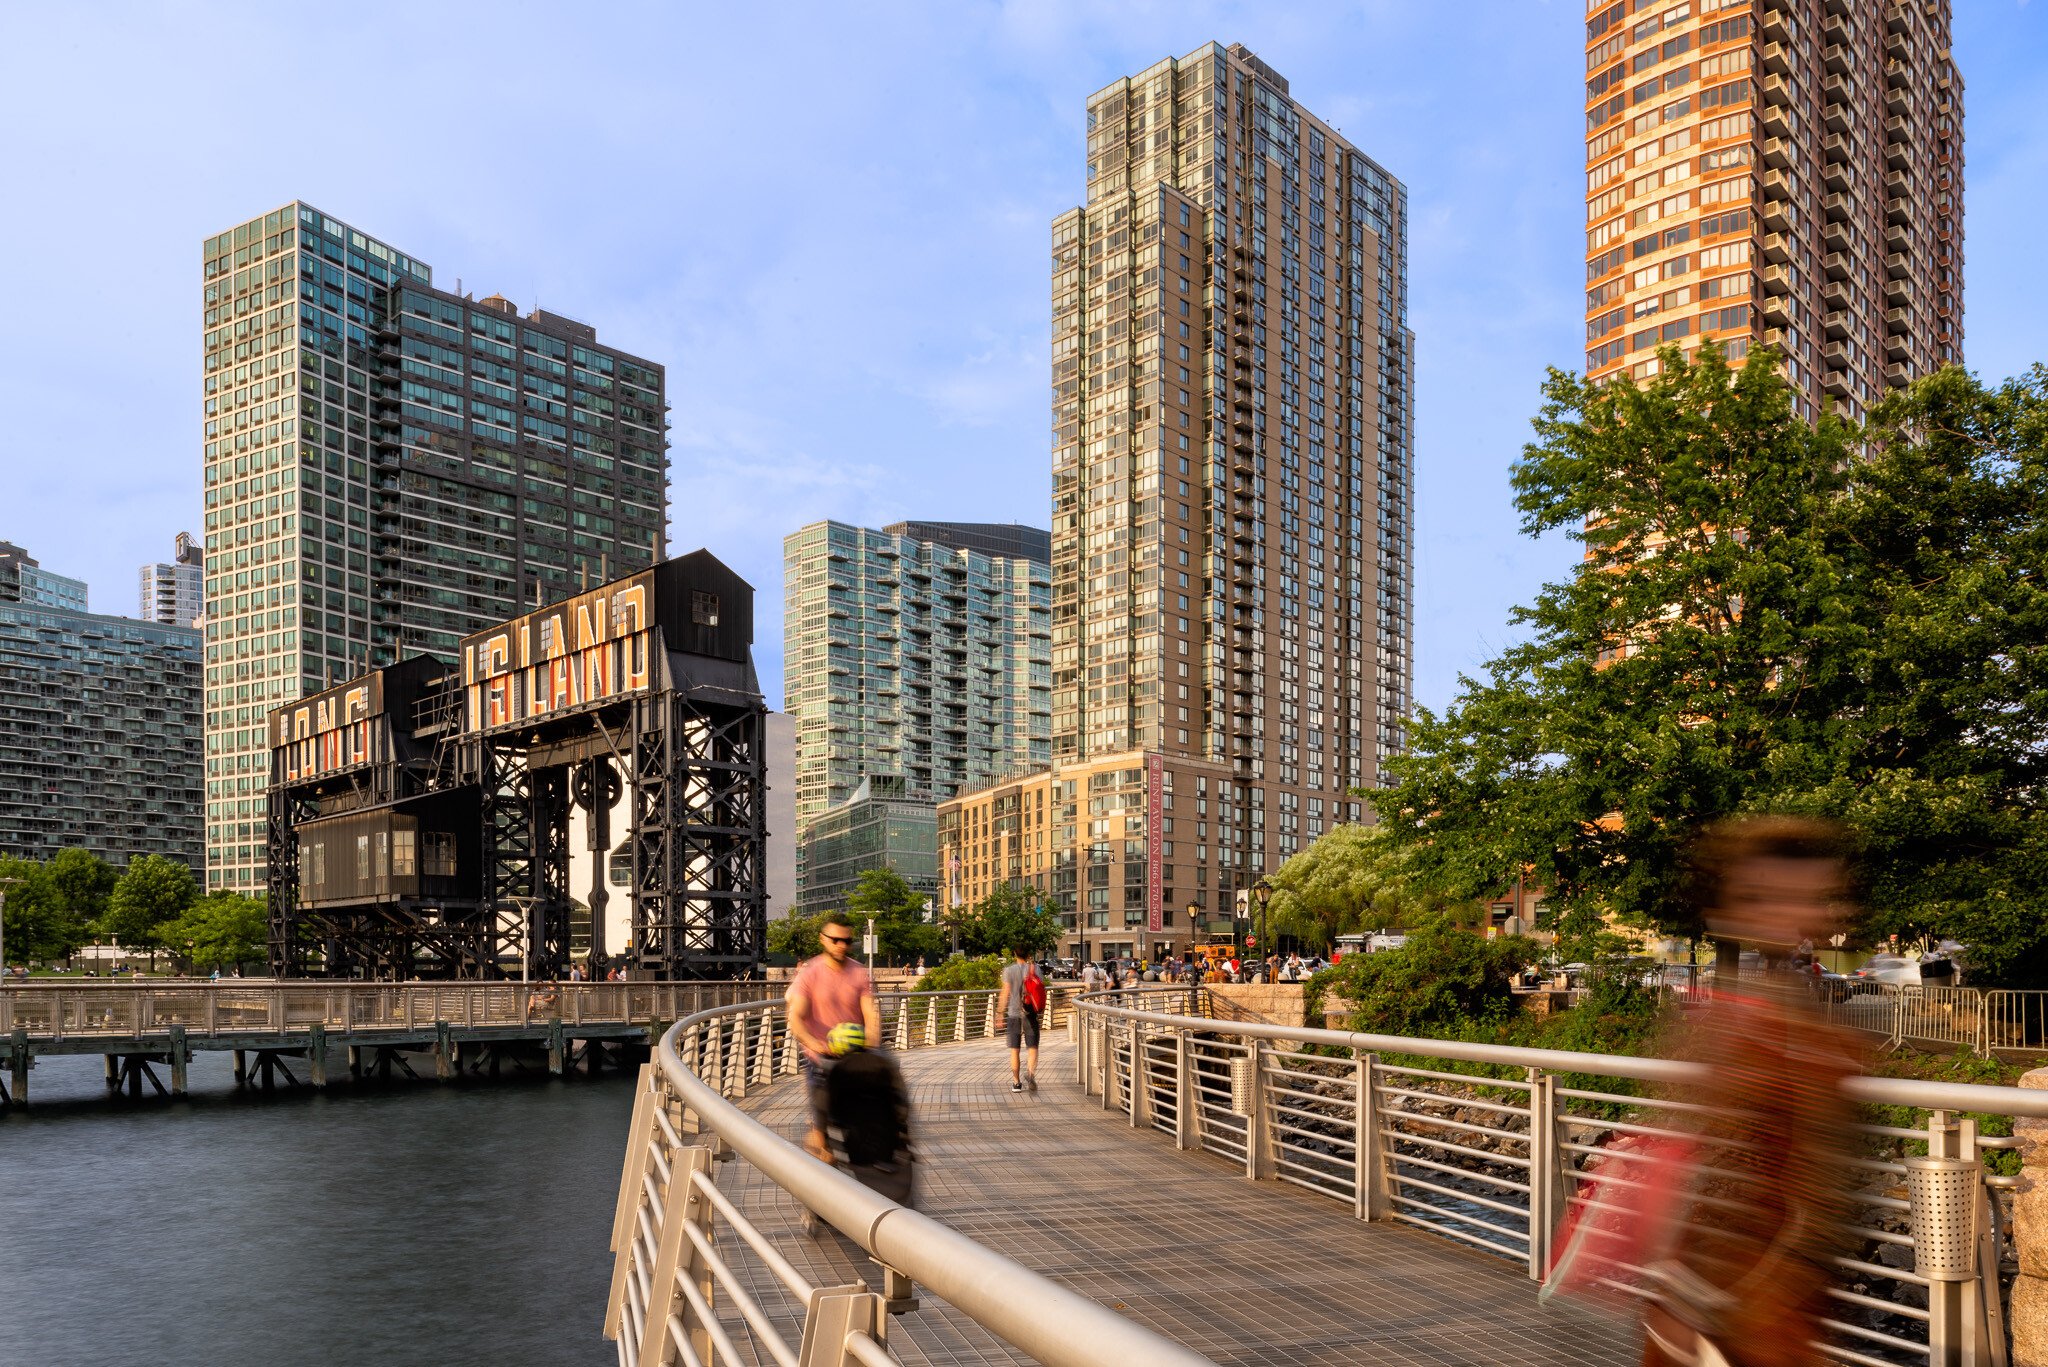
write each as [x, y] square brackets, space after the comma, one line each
[1019, 1003]
[831, 989]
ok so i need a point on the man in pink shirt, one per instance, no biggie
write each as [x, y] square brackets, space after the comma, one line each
[830, 989]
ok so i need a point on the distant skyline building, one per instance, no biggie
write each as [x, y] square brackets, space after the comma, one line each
[1232, 520]
[100, 735]
[1782, 171]
[388, 467]
[174, 594]
[24, 580]
[880, 827]
[919, 651]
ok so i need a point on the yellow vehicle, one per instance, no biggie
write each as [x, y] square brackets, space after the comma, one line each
[1214, 954]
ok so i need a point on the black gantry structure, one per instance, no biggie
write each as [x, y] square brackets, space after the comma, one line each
[422, 815]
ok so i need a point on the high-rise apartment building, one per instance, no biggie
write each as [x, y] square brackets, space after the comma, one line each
[1232, 517]
[24, 580]
[919, 652]
[390, 466]
[1788, 171]
[175, 594]
[100, 739]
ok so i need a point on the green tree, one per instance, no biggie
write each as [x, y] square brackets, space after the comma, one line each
[220, 930]
[80, 883]
[1441, 982]
[961, 974]
[1770, 615]
[1008, 917]
[793, 936]
[901, 932]
[1352, 878]
[151, 892]
[40, 927]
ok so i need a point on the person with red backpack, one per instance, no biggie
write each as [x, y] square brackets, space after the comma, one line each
[1020, 1003]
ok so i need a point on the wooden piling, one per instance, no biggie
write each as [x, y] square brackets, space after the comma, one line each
[181, 1058]
[316, 1055]
[241, 1068]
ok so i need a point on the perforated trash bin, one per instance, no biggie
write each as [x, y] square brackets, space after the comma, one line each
[1943, 1195]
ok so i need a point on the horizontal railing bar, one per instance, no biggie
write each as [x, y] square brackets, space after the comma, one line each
[1504, 1106]
[743, 1298]
[1395, 1136]
[1949, 1096]
[1454, 1232]
[784, 1271]
[1506, 1183]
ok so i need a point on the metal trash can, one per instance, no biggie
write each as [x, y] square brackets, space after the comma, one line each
[1943, 1195]
[1241, 1085]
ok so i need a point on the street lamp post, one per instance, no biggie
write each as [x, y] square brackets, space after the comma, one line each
[1264, 892]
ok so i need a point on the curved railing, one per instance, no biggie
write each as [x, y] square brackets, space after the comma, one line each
[681, 1292]
[1390, 1126]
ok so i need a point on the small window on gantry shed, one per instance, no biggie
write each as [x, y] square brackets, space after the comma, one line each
[703, 608]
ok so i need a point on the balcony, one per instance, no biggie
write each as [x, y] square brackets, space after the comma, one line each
[1897, 375]
[1837, 323]
[1778, 153]
[1838, 265]
[1777, 58]
[1898, 265]
[1836, 117]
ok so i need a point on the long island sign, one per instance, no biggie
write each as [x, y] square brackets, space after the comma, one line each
[583, 651]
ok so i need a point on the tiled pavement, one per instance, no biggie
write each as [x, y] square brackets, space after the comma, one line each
[1242, 1272]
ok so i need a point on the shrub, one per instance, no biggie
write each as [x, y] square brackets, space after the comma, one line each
[962, 975]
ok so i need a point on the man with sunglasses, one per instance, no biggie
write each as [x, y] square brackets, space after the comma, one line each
[829, 990]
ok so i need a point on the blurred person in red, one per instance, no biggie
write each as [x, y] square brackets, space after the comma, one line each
[1744, 1273]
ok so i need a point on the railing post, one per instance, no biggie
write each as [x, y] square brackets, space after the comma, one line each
[834, 1315]
[1544, 1170]
[1369, 1172]
[742, 1027]
[960, 1017]
[1186, 1096]
[685, 1207]
[1141, 1079]
[1258, 1132]
[632, 1189]
[1946, 1300]
[989, 1030]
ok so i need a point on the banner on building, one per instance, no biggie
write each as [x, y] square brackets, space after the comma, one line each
[1155, 861]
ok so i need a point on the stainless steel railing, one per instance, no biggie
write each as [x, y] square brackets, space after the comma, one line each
[680, 1293]
[1389, 1126]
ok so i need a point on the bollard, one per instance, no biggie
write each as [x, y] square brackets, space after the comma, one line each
[2030, 1237]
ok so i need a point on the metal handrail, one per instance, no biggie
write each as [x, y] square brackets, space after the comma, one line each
[707, 1057]
[1496, 1161]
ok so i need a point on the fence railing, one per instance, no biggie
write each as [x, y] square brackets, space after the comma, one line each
[1390, 1127]
[1999, 1021]
[680, 1292]
[58, 1013]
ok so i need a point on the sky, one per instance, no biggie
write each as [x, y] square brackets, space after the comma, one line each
[829, 222]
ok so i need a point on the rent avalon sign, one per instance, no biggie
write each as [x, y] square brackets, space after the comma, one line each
[584, 650]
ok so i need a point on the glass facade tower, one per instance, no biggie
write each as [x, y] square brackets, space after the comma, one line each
[911, 657]
[390, 466]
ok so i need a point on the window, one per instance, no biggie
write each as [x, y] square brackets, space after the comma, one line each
[703, 608]
[402, 862]
[437, 854]
[362, 859]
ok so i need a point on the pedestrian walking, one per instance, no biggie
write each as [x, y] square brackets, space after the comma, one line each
[1742, 1283]
[830, 990]
[1020, 1002]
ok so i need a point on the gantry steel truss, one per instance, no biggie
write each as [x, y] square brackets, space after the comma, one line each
[694, 775]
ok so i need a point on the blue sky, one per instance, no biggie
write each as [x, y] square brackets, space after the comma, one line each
[828, 221]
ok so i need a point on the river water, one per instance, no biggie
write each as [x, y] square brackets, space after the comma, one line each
[394, 1225]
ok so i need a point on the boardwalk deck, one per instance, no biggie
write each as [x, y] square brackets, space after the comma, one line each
[1242, 1272]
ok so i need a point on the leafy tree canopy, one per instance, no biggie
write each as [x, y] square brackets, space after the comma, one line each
[963, 974]
[1442, 981]
[901, 932]
[81, 882]
[150, 892]
[1008, 917]
[221, 930]
[1353, 878]
[1771, 615]
[40, 925]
